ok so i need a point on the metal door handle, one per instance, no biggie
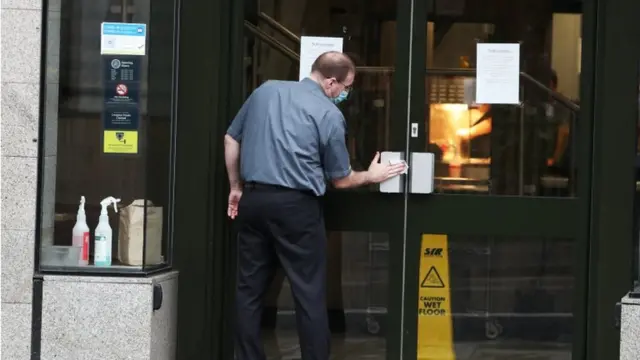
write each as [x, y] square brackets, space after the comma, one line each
[422, 172]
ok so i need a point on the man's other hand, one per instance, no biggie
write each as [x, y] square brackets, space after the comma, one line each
[234, 199]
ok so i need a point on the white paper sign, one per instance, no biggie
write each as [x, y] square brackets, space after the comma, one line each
[313, 46]
[123, 39]
[498, 74]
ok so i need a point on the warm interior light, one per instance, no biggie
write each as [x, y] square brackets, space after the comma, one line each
[445, 121]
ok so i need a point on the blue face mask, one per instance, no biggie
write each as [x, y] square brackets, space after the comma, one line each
[340, 98]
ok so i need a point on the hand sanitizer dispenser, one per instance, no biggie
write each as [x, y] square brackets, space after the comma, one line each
[103, 239]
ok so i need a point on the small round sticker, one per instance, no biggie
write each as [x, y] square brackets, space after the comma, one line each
[121, 89]
[115, 63]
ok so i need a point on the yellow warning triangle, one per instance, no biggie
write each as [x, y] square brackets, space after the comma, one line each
[433, 279]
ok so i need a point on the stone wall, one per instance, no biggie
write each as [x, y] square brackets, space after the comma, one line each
[21, 54]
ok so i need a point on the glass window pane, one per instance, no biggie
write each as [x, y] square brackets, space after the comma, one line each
[108, 132]
[491, 149]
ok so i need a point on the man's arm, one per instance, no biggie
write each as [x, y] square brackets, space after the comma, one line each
[232, 146]
[479, 129]
[376, 174]
[335, 161]
[232, 161]
[354, 179]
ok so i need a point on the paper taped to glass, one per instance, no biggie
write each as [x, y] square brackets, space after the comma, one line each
[131, 234]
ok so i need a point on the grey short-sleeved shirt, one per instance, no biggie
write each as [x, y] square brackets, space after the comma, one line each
[291, 135]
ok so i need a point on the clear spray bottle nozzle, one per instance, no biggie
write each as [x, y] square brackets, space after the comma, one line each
[108, 201]
[81, 207]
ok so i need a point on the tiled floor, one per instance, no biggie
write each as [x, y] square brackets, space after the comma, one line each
[373, 348]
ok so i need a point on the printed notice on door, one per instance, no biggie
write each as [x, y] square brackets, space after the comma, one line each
[498, 74]
[123, 39]
[313, 46]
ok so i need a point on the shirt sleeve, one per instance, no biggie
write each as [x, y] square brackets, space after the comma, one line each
[236, 128]
[335, 157]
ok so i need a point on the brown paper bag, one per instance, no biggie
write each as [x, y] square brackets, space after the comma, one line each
[131, 234]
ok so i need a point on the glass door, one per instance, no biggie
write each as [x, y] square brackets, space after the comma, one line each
[365, 228]
[491, 264]
[494, 254]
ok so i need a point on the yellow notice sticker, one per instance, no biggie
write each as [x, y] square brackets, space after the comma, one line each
[435, 323]
[120, 142]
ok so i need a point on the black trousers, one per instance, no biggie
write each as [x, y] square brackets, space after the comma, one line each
[278, 225]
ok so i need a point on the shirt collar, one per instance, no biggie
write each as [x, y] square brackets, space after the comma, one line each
[313, 86]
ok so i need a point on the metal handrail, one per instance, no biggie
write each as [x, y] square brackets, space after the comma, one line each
[270, 40]
[375, 69]
[450, 72]
[554, 94]
[530, 79]
[277, 26]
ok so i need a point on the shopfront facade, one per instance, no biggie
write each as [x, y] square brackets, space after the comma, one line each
[523, 248]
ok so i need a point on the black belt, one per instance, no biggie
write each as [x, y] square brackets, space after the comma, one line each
[262, 186]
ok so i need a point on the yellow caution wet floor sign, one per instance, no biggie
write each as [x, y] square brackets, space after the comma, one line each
[435, 323]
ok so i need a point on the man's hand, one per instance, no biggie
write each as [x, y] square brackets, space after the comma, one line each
[232, 162]
[234, 199]
[379, 172]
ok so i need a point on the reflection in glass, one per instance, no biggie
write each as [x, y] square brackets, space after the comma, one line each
[526, 149]
[75, 163]
[358, 283]
[512, 297]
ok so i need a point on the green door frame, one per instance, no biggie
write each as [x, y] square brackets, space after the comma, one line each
[613, 102]
[210, 49]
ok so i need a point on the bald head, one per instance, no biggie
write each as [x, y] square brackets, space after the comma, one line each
[334, 72]
[333, 64]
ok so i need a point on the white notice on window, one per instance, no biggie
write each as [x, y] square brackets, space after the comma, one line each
[123, 39]
[498, 74]
[313, 46]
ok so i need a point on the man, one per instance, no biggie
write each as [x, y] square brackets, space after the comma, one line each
[560, 115]
[288, 138]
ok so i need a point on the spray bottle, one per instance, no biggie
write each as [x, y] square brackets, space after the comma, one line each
[103, 233]
[80, 237]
